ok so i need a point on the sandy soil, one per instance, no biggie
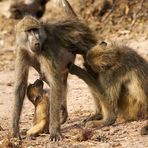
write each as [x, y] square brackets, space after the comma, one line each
[79, 100]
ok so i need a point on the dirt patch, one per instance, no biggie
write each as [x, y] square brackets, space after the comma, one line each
[123, 21]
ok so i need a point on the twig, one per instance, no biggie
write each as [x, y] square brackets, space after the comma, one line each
[135, 15]
[109, 13]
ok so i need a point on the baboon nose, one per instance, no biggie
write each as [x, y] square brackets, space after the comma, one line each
[37, 44]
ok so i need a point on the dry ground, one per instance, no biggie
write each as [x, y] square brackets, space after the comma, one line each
[80, 102]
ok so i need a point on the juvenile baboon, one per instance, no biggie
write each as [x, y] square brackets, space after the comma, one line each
[120, 85]
[144, 130]
[19, 9]
[45, 47]
[40, 99]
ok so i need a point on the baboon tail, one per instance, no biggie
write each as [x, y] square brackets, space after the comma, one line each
[67, 7]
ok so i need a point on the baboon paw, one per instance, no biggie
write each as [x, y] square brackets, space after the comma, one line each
[56, 137]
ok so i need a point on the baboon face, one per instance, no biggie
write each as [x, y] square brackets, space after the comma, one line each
[34, 91]
[32, 35]
[34, 40]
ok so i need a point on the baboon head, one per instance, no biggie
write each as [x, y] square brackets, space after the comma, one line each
[103, 56]
[35, 91]
[30, 34]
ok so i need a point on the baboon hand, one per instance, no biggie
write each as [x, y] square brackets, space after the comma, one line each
[56, 136]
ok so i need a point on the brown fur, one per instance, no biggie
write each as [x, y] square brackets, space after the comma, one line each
[122, 82]
[50, 58]
[19, 9]
[40, 98]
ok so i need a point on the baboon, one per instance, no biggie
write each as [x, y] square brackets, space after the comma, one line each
[19, 9]
[120, 85]
[70, 12]
[40, 99]
[144, 130]
[45, 47]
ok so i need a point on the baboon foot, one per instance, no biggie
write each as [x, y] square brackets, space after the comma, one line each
[55, 136]
[99, 123]
[93, 117]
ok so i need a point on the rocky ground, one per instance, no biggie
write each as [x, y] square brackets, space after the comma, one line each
[125, 22]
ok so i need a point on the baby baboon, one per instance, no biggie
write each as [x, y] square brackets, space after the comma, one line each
[45, 47]
[40, 99]
[121, 83]
[19, 9]
[144, 130]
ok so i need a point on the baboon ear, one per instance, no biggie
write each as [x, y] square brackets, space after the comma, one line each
[39, 83]
[103, 43]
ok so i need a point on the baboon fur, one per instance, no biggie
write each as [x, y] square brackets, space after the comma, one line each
[45, 47]
[120, 85]
[40, 99]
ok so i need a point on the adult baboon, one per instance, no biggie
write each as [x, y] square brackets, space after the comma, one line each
[45, 47]
[19, 9]
[40, 99]
[121, 83]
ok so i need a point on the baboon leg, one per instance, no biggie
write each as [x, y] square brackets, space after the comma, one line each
[37, 129]
[86, 77]
[21, 74]
[108, 104]
[63, 110]
[56, 84]
[109, 116]
[98, 110]
[137, 108]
